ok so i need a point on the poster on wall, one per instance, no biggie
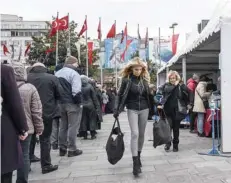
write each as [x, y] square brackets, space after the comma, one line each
[167, 47]
[114, 49]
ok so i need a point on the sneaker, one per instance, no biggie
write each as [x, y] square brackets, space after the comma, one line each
[74, 153]
[48, 169]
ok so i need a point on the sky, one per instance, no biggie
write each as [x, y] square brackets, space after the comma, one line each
[147, 13]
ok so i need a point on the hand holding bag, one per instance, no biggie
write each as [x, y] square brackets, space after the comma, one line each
[115, 144]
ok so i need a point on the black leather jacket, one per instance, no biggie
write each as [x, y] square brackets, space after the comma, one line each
[123, 93]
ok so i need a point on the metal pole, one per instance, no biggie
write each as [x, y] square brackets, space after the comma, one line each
[69, 37]
[86, 51]
[57, 42]
[101, 62]
[159, 48]
[116, 69]
[184, 70]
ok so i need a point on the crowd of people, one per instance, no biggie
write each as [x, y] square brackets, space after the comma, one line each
[50, 108]
[57, 108]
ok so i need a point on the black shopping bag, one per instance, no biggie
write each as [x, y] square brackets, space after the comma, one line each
[161, 132]
[115, 144]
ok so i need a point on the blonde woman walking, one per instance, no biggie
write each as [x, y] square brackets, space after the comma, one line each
[134, 93]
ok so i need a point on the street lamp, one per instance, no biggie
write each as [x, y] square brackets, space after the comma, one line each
[173, 28]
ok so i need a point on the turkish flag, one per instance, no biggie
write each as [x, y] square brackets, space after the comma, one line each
[84, 28]
[27, 49]
[49, 50]
[112, 32]
[54, 27]
[63, 23]
[99, 30]
[90, 52]
[174, 43]
[5, 49]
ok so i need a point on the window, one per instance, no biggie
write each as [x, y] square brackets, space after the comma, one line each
[18, 26]
[30, 34]
[36, 34]
[21, 34]
[5, 26]
[12, 33]
[3, 42]
[27, 34]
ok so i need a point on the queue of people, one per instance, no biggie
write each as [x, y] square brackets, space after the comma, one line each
[53, 108]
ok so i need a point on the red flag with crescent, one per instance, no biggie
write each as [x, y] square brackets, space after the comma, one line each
[5, 49]
[27, 49]
[54, 27]
[63, 23]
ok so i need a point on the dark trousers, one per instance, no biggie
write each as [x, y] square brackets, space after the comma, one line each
[22, 173]
[192, 116]
[175, 126]
[7, 178]
[84, 133]
[45, 144]
[32, 145]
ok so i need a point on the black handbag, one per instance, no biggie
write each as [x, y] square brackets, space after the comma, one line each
[161, 131]
[115, 144]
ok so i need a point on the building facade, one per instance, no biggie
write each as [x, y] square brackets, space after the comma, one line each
[16, 34]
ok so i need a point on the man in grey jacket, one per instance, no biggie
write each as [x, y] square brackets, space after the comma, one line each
[71, 107]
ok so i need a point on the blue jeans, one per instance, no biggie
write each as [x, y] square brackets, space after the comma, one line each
[200, 122]
[22, 173]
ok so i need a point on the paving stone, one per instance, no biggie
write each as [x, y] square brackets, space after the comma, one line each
[185, 166]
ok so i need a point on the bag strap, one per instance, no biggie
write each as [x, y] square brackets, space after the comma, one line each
[199, 95]
[116, 121]
[20, 85]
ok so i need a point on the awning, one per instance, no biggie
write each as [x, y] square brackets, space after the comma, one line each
[213, 27]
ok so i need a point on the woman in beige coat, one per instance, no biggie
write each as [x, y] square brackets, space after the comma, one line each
[201, 95]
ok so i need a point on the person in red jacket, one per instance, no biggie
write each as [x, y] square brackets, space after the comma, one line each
[192, 84]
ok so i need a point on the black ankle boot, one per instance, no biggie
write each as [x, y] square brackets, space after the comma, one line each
[136, 166]
[175, 148]
[139, 152]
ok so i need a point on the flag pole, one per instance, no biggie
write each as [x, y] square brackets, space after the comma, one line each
[57, 41]
[86, 51]
[139, 40]
[101, 63]
[159, 49]
[69, 36]
[116, 65]
[126, 37]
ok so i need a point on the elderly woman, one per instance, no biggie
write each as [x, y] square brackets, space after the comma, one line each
[176, 101]
[134, 93]
[91, 109]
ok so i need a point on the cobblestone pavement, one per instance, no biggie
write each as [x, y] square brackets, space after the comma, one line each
[185, 166]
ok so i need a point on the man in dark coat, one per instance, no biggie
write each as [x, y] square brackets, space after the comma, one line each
[91, 109]
[49, 91]
[13, 125]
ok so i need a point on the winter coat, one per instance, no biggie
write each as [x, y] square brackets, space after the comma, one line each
[91, 108]
[30, 99]
[199, 98]
[121, 99]
[191, 84]
[13, 122]
[175, 105]
[48, 88]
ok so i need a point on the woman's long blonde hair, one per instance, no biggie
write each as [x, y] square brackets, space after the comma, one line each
[175, 73]
[127, 70]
